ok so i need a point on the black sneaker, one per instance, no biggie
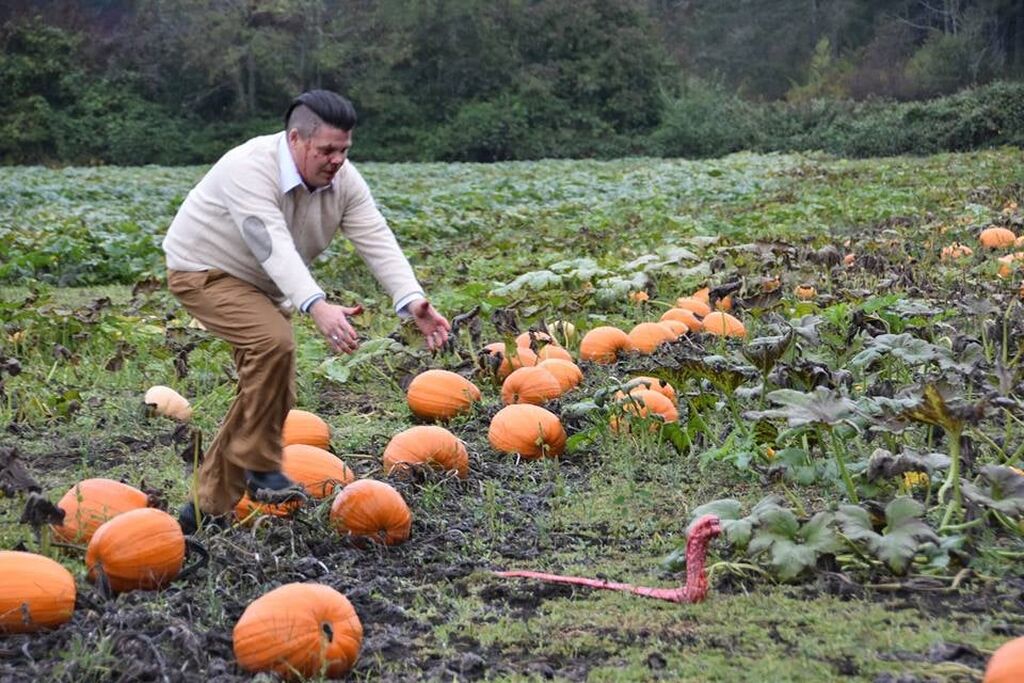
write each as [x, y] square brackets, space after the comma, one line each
[189, 523]
[272, 487]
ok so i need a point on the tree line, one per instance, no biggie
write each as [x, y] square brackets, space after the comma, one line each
[179, 81]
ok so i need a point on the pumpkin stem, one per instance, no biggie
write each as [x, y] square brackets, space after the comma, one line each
[328, 631]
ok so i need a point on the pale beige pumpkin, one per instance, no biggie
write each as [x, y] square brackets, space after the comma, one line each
[529, 430]
[441, 395]
[139, 549]
[36, 592]
[534, 385]
[371, 509]
[168, 403]
[304, 427]
[603, 344]
[90, 503]
[566, 372]
[299, 630]
[428, 445]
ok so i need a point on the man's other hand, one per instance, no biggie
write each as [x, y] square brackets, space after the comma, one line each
[332, 320]
[432, 325]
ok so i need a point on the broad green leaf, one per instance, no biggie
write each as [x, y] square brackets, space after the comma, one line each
[820, 406]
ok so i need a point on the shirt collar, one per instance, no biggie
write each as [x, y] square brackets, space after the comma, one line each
[289, 172]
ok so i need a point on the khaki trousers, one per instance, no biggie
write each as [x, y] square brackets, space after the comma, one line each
[260, 334]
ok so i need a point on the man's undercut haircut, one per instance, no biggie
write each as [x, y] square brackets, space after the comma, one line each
[313, 107]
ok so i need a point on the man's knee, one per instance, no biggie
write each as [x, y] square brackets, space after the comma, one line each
[277, 340]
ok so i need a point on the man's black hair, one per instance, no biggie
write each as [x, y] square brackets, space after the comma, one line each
[332, 108]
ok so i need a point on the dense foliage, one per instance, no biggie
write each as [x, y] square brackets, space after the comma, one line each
[179, 81]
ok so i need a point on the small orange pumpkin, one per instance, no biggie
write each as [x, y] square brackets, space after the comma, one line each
[426, 445]
[724, 304]
[90, 503]
[683, 315]
[519, 357]
[299, 630]
[542, 339]
[849, 259]
[643, 403]
[1008, 263]
[139, 549]
[1007, 663]
[645, 383]
[702, 294]
[551, 351]
[997, 238]
[304, 427]
[566, 372]
[955, 251]
[371, 509]
[646, 337]
[699, 307]
[529, 430]
[805, 292]
[534, 385]
[603, 344]
[441, 395]
[36, 593]
[722, 324]
[675, 328]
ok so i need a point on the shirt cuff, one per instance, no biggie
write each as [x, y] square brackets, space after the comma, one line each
[311, 300]
[402, 305]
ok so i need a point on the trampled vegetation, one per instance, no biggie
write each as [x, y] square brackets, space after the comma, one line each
[859, 444]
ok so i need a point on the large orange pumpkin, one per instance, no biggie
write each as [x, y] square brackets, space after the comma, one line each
[139, 549]
[367, 508]
[426, 445]
[566, 372]
[722, 324]
[529, 430]
[511, 359]
[90, 503]
[534, 385]
[642, 404]
[683, 315]
[441, 395]
[303, 427]
[646, 337]
[997, 238]
[36, 592]
[1007, 663]
[319, 472]
[603, 344]
[299, 630]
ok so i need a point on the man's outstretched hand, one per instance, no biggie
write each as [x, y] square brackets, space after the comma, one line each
[432, 325]
[332, 320]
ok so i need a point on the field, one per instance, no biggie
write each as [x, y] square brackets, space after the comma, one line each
[858, 444]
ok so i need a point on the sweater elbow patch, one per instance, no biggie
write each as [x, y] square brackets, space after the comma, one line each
[257, 237]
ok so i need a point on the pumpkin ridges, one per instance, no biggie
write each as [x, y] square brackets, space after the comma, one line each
[37, 585]
[530, 385]
[529, 430]
[283, 631]
[429, 445]
[440, 395]
[91, 502]
[139, 549]
[304, 427]
[371, 509]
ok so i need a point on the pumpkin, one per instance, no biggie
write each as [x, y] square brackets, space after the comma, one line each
[997, 238]
[90, 503]
[441, 395]
[723, 325]
[426, 445]
[849, 259]
[805, 292]
[644, 403]
[318, 471]
[566, 372]
[645, 383]
[552, 351]
[675, 328]
[955, 251]
[1008, 263]
[530, 336]
[521, 357]
[299, 630]
[699, 307]
[530, 385]
[602, 344]
[563, 331]
[303, 427]
[724, 304]
[36, 592]
[367, 508]
[167, 402]
[1007, 663]
[702, 294]
[140, 549]
[646, 337]
[529, 430]
[683, 315]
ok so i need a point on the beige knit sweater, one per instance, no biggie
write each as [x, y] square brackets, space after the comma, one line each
[252, 217]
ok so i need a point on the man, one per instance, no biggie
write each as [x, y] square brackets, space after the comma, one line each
[237, 258]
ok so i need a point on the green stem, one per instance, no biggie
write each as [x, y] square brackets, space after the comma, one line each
[953, 509]
[840, 453]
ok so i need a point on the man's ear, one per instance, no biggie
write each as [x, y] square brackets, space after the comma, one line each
[293, 135]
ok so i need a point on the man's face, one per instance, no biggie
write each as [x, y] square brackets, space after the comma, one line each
[320, 157]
